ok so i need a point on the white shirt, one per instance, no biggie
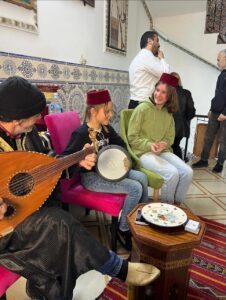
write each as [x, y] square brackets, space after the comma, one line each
[144, 72]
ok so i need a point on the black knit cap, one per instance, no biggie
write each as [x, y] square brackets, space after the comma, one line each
[19, 99]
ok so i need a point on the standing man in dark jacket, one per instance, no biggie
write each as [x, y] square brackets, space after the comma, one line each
[183, 116]
[217, 120]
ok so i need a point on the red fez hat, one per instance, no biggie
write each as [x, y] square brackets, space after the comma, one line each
[169, 79]
[98, 97]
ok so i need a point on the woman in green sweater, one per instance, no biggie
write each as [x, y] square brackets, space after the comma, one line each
[151, 133]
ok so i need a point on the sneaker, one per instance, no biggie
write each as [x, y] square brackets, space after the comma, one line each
[200, 164]
[124, 238]
[218, 168]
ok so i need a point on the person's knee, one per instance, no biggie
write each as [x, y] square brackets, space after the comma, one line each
[143, 179]
[173, 175]
[136, 189]
[186, 171]
[189, 172]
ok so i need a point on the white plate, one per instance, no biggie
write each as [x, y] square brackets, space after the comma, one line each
[164, 215]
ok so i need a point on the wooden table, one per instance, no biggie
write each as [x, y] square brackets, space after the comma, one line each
[170, 250]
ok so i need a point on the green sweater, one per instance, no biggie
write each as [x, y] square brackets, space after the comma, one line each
[147, 125]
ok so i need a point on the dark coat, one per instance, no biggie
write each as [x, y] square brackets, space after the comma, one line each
[186, 112]
[218, 103]
[49, 248]
[81, 136]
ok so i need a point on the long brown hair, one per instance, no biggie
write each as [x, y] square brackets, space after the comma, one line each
[172, 101]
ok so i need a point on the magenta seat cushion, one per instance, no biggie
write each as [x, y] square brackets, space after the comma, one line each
[61, 127]
[106, 202]
[7, 278]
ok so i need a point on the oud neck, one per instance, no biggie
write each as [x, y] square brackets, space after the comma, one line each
[65, 162]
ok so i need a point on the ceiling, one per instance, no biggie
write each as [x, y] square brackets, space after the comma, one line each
[164, 8]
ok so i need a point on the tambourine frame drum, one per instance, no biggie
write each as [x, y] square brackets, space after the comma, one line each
[113, 163]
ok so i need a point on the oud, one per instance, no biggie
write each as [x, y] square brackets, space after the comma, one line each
[27, 179]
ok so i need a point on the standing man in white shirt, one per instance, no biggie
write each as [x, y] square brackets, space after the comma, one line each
[146, 68]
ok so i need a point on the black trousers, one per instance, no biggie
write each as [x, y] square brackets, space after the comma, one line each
[176, 146]
[215, 127]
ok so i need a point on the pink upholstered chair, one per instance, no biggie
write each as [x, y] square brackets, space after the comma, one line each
[60, 127]
[7, 278]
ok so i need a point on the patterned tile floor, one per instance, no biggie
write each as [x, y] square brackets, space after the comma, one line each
[206, 197]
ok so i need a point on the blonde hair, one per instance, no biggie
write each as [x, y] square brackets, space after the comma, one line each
[87, 113]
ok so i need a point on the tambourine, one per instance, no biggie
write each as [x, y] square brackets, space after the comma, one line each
[113, 163]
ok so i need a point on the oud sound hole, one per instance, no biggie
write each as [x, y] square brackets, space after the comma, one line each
[21, 184]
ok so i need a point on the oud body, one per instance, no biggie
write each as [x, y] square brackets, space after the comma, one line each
[26, 180]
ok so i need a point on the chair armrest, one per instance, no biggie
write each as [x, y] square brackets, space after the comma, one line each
[154, 180]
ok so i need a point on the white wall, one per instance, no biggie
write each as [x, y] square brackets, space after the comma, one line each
[197, 77]
[68, 29]
[188, 31]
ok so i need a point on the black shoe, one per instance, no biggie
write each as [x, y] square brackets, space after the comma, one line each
[218, 168]
[124, 238]
[200, 164]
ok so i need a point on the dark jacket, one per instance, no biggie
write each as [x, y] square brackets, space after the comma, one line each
[186, 112]
[49, 248]
[218, 103]
[80, 137]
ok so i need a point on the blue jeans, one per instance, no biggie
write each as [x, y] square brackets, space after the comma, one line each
[176, 174]
[112, 266]
[135, 186]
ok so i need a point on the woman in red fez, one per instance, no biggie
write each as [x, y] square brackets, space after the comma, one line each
[98, 115]
[151, 133]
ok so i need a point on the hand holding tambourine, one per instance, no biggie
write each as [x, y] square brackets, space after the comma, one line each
[113, 161]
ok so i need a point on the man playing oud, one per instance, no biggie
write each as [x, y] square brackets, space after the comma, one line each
[50, 248]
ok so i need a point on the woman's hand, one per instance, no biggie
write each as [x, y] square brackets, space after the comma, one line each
[155, 148]
[3, 208]
[89, 160]
[162, 145]
[158, 147]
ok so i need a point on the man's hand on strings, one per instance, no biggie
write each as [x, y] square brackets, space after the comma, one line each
[3, 208]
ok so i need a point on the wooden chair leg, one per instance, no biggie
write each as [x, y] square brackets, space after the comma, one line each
[131, 293]
[156, 195]
[114, 224]
[3, 297]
